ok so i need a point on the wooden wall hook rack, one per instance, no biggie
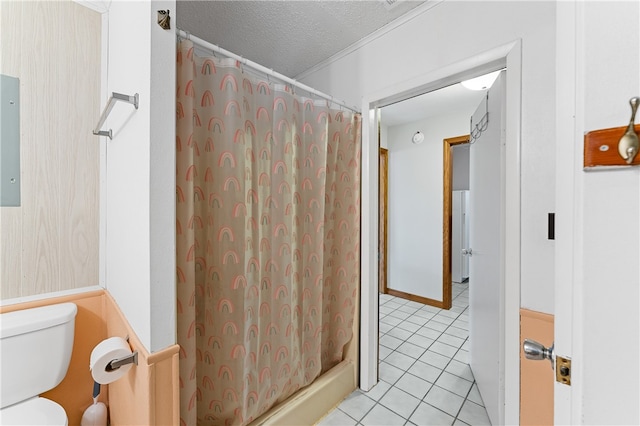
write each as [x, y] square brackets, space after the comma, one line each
[601, 148]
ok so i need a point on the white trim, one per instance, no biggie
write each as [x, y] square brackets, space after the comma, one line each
[509, 55]
[102, 140]
[412, 14]
[512, 245]
[568, 199]
[45, 296]
[369, 295]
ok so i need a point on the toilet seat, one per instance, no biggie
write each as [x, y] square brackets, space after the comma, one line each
[34, 411]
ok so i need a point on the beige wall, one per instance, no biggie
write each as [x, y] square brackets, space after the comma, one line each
[536, 377]
[50, 242]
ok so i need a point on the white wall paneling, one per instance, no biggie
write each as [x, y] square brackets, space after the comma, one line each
[140, 176]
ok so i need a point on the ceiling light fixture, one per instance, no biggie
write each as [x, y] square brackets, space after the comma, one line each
[484, 82]
[417, 138]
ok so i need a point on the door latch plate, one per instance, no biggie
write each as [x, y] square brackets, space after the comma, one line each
[563, 370]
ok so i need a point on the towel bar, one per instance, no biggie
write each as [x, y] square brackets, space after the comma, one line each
[112, 100]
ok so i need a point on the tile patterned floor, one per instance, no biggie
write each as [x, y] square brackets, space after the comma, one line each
[425, 378]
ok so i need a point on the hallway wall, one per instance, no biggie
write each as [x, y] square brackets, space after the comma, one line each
[450, 32]
[415, 204]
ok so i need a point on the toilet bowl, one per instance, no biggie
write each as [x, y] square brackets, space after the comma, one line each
[35, 350]
[35, 411]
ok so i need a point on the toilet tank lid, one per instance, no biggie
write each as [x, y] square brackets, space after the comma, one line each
[27, 320]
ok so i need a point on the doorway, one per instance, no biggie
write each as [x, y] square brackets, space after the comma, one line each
[508, 350]
[447, 214]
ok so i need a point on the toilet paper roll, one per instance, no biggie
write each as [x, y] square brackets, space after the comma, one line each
[105, 352]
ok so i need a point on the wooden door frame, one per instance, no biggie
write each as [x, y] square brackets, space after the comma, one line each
[383, 226]
[447, 183]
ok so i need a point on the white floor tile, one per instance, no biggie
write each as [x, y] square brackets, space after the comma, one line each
[408, 308]
[462, 356]
[449, 313]
[421, 341]
[399, 314]
[385, 310]
[442, 349]
[441, 319]
[412, 350]
[400, 360]
[474, 395]
[399, 333]
[473, 414]
[378, 390]
[417, 320]
[337, 418]
[454, 384]
[389, 373]
[393, 304]
[451, 340]
[383, 352]
[424, 314]
[458, 332]
[438, 326]
[382, 416]
[425, 371]
[400, 402]
[435, 359]
[424, 341]
[427, 414]
[446, 401]
[357, 405]
[390, 341]
[384, 328]
[409, 326]
[413, 385]
[391, 320]
[429, 332]
[460, 369]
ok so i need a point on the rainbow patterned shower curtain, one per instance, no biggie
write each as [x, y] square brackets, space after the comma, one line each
[268, 231]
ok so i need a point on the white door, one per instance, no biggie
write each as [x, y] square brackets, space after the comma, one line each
[486, 236]
[459, 236]
[457, 231]
[465, 234]
[597, 320]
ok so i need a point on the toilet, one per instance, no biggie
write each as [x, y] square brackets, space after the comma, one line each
[35, 350]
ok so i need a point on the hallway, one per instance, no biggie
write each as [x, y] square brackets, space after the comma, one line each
[424, 375]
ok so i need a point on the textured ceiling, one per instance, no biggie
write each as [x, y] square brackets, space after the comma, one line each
[292, 36]
[287, 36]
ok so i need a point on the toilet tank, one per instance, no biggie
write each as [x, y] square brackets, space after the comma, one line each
[35, 350]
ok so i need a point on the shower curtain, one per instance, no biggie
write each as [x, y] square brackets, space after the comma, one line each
[268, 230]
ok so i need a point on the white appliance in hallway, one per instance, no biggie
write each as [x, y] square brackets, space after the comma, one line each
[459, 236]
[486, 249]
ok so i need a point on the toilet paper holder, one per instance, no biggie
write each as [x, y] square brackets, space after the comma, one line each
[119, 362]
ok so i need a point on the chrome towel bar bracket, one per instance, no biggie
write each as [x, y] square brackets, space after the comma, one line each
[112, 100]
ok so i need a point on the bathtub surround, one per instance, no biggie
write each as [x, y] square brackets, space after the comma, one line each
[147, 395]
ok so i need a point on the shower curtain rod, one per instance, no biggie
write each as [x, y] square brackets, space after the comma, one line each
[262, 69]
